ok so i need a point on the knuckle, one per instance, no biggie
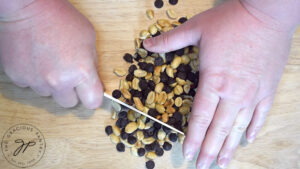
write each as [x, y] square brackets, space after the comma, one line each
[240, 128]
[201, 120]
[221, 131]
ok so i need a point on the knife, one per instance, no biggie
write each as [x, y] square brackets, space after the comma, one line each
[144, 114]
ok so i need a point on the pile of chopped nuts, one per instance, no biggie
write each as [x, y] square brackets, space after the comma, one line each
[162, 85]
[143, 136]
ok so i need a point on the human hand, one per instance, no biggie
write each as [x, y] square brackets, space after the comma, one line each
[241, 63]
[52, 50]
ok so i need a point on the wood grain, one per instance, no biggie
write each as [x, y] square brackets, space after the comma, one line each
[75, 137]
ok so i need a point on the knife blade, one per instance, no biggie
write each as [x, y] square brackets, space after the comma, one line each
[144, 114]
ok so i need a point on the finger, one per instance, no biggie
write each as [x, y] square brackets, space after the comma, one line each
[259, 116]
[90, 91]
[204, 106]
[187, 34]
[218, 130]
[232, 141]
[41, 88]
[66, 98]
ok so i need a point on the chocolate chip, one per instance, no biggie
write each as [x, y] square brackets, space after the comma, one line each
[159, 152]
[182, 20]
[158, 61]
[129, 102]
[142, 65]
[124, 135]
[147, 120]
[150, 68]
[149, 147]
[150, 164]
[173, 137]
[167, 89]
[157, 34]
[159, 3]
[131, 140]
[155, 134]
[153, 112]
[164, 77]
[192, 93]
[151, 84]
[171, 121]
[108, 130]
[137, 57]
[181, 68]
[122, 114]
[137, 94]
[143, 84]
[129, 77]
[181, 75]
[118, 123]
[179, 52]
[173, 2]
[116, 94]
[167, 146]
[171, 81]
[128, 58]
[177, 116]
[146, 135]
[156, 145]
[121, 123]
[166, 129]
[157, 125]
[131, 69]
[120, 147]
[169, 57]
[141, 152]
[178, 126]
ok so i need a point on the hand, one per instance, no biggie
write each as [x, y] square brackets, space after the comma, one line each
[53, 52]
[241, 63]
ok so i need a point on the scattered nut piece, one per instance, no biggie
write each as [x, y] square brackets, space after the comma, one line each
[153, 29]
[139, 135]
[150, 13]
[115, 139]
[171, 14]
[159, 87]
[126, 93]
[131, 127]
[116, 130]
[170, 72]
[148, 140]
[178, 90]
[186, 88]
[161, 134]
[160, 108]
[163, 23]
[150, 98]
[176, 62]
[151, 155]
[144, 34]
[165, 117]
[138, 103]
[120, 72]
[140, 73]
[178, 101]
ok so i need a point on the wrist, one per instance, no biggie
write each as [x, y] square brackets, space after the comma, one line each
[21, 10]
[278, 15]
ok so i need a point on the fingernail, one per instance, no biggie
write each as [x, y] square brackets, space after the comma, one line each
[202, 166]
[189, 156]
[223, 162]
[251, 137]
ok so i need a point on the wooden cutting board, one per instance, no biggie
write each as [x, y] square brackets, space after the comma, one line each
[74, 138]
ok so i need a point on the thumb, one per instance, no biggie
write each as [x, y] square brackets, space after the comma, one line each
[184, 35]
